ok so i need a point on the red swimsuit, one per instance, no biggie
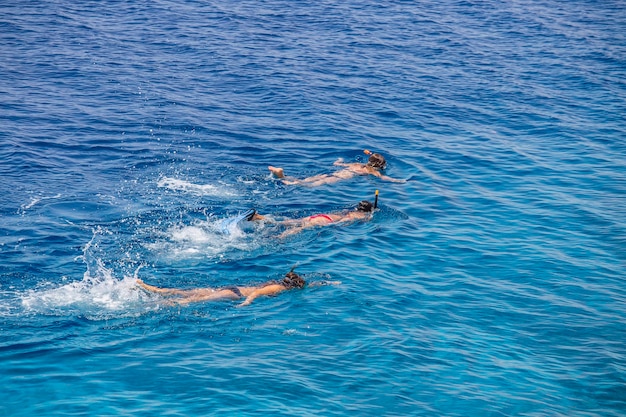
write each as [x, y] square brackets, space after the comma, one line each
[326, 216]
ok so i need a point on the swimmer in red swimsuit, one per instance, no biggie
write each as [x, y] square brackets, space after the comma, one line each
[363, 211]
[374, 166]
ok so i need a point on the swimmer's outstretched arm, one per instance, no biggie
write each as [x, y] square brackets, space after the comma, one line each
[385, 177]
[268, 290]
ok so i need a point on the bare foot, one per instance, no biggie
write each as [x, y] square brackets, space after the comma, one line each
[258, 217]
[278, 172]
[143, 284]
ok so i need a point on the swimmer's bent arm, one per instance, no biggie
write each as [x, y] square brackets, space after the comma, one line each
[339, 163]
[268, 290]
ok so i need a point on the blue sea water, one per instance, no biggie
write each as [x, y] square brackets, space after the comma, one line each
[490, 283]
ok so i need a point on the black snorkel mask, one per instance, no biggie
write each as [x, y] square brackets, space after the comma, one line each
[293, 280]
[366, 206]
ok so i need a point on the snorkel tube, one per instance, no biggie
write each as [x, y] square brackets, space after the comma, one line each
[376, 201]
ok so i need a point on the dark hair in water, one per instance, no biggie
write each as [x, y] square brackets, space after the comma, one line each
[293, 280]
[365, 206]
[376, 160]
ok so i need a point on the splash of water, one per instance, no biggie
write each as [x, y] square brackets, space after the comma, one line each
[99, 295]
[205, 239]
[94, 297]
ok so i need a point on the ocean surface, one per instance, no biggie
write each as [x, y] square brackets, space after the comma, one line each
[491, 283]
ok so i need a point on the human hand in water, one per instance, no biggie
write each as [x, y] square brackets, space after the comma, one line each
[338, 161]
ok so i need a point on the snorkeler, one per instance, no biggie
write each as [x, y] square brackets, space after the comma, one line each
[270, 288]
[363, 211]
[374, 166]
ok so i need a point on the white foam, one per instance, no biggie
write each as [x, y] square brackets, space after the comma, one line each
[197, 189]
[97, 296]
[203, 239]
[193, 234]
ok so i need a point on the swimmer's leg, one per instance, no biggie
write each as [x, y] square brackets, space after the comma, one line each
[203, 295]
[158, 290]
[313, 181]
[280, 174]
[293, 230]
[321, 179]
[258, 217]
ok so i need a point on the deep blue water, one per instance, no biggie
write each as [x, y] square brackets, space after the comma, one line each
[491, 283]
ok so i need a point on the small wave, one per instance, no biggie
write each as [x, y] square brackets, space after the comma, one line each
[196, 189]
[34, 201]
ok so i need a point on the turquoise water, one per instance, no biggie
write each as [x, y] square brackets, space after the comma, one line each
[491, 283]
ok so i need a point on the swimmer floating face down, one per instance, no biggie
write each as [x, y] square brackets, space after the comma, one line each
[375, 164]
[363, 211]
[290, 281]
